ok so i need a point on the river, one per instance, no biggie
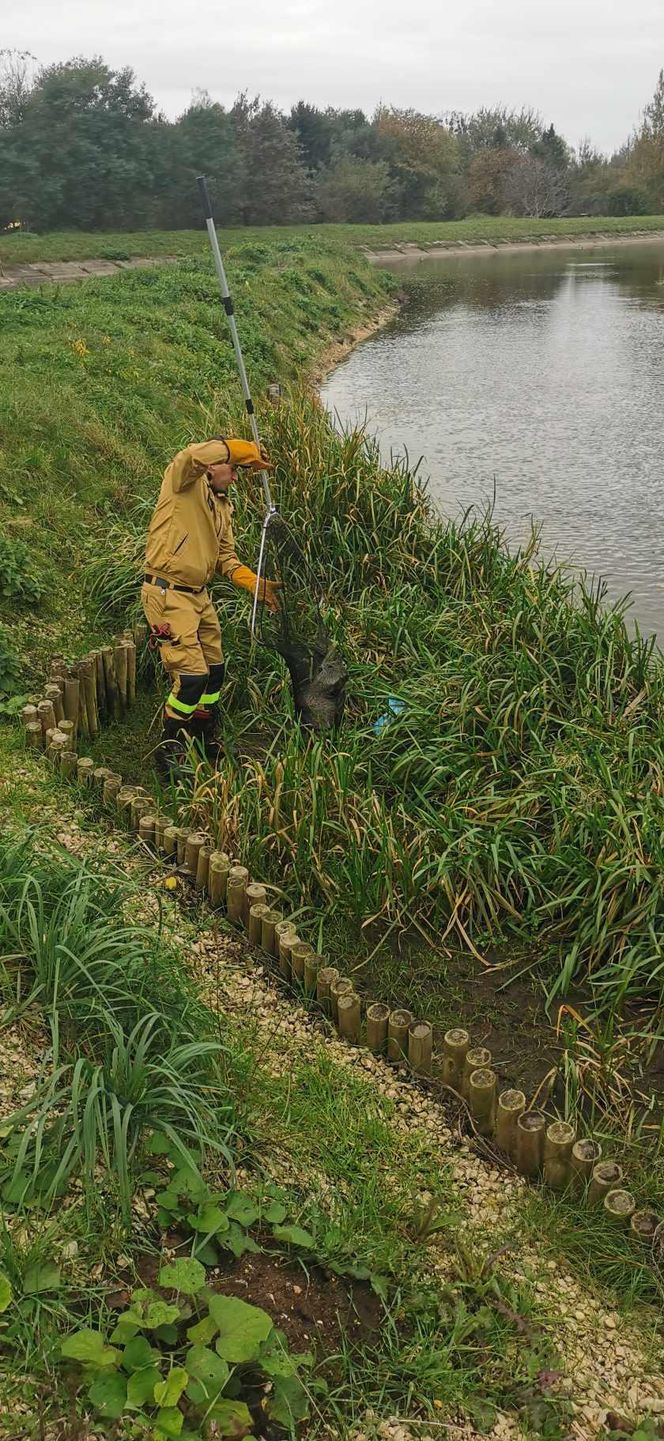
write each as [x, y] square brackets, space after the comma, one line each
[538, 377]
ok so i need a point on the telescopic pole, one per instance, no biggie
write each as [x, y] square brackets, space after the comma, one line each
[227, 302]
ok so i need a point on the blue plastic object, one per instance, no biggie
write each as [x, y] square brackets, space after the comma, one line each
[394, 707]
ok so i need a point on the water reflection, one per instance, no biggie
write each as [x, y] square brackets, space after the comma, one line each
[541, 374]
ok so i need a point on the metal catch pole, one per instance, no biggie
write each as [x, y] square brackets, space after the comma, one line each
[227, 302]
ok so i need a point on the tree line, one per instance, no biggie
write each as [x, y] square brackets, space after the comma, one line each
[84, 146]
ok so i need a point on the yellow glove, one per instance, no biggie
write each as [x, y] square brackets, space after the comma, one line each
[246, 579]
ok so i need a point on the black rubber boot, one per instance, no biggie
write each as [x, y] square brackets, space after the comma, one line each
[212, 743]
[172, 748]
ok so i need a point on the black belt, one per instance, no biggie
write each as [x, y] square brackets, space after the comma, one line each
[168, 585]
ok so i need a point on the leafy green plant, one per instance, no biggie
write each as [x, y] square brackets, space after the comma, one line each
[182, 1355]
[10, 667]
[19, 581]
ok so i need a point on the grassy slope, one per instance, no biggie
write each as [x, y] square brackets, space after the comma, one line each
[100, 383]
[76, 245]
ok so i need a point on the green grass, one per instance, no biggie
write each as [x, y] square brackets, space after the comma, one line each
[80, 245]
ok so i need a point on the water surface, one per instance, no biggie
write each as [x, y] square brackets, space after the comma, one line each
[537, 377]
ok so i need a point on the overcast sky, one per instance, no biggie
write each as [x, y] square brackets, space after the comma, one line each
[587, 65]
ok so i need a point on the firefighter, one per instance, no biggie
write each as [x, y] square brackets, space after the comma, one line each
[189, 539]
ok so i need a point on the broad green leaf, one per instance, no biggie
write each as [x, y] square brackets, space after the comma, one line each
[241, 1208]
[148, 1310]
[169, 1421]
[168, 1334]
[168, 1200]
[275, 1213]
[187, 1182]
[233, 1418]
[168, 1392]
[141, 1386]
[41, 1278]
[202, 1332]
[139, 1353]
[294, 1236]
[205, 1251]
[90, 1348]
[108, 1394]
[242, 1328]
[208, 1374]
[235, 1239]
[288, 1402]
[185, 1275]
[124, 1332]
[5, 1292]
[159, 1145]
[209, 1220]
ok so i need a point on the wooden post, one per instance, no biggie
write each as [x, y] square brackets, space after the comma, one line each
[131, 672]
[102, 703]
[85, 770]
[236, 894]
[146, 830]
[606, 1177]
[338, 988]
[482, 1090]
[192, 849]
[420, 1047]
[88, 678]
[619, 1207]
[100, 775]
[72, 699]
[181, 844]
[69, 729]
[140, 634]
[123, 802]
[46, 715]
[287, 940]
[299, 953]
[476, 1059]
[455, 1046]
[510, 1105]
[255, 927]
[349, 1013]
[203, 867]
[140, 806]
[326, 975]
[256, 895]
[378, 1016]
[558, 1142]
[53, 693]
[113, 705]
[585, 1155]
[34, 736]
[120, 662]
[530, 1127]
[112, 786]
[312, 965]
[397, 1034]
[58, 744]
[282, 928]
[270, 922]
[68, 762]
[170, 843]
[643, 1225]
[218, 877]
[29, 715]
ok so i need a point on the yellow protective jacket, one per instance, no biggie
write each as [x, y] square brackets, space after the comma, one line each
[191, 533]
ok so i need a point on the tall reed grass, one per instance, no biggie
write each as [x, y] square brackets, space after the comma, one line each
[519, 795]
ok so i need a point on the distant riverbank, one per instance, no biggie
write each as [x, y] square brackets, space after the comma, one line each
[441, 248]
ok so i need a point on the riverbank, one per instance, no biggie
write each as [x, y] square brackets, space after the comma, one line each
[121, 246]
[411, 251]
[479, 820]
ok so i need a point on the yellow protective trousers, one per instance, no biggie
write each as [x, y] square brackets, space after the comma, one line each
[186, 630]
